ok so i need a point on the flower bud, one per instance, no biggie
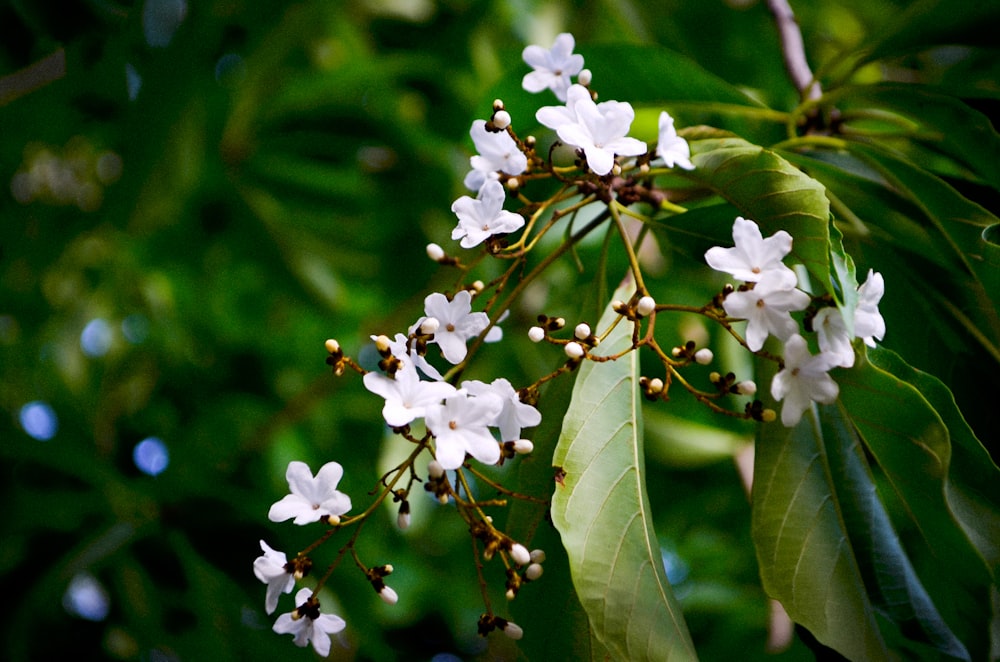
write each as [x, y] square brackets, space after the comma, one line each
[403, 518]
[656, 385]
[332, 346]
[435, 470]
[616, 170]
[747, 387]
[768, 416]
[435, 252]
[584, 77]
[501, 119]
[388, 595]
[538, 556]
[513, 183]
[478, 286]
[533, 572]
[382, 344]
[676, 351]
[619, 306]
[498, 105]
[513, 630]
[523, 446]
[645, 306]
[556, 323]
[429, 326]
[519, 553]
[573, 350]
[510, 594]
[703, 356]
[582, 331]
[536, 334]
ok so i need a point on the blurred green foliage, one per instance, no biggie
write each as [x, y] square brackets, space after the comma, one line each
[226, 184]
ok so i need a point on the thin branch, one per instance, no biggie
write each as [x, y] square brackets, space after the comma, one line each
[794, 51]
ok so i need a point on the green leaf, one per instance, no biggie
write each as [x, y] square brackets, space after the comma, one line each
[602, 510]
[766, 188]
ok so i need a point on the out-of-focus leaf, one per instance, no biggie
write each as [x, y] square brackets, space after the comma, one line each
[964, 224]
[602, 511]
[942, 122]
[679, 442]
[911, 445]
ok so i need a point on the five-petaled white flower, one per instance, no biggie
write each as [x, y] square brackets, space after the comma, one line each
[803, 380]
[308, 623]
[406, 395]
[833, 336]
[552, 68]
[868, 322]
[497, 152]
[670, 147]
[484, 216]
[311, 498]
[461, 425]
[766, 309]
[514, 415]
[457, 323]
[600, 130]
[753, 258]
[271, 569]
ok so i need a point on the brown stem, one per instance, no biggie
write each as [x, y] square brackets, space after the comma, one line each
[793, 50]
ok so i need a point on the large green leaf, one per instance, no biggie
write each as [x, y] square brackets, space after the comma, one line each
[768, 189]
[602, 511]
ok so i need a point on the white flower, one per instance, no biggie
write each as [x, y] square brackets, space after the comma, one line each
[803, 380]
[868, 322]
[406, 395]
[670, 147]
[497, 152]
[833, 337]
[766, 310]
[553, 67]
[311, 498]
[407, 358]
[754, 259]
[514, 415]
[270, 569]
[458, 323]
[484, 216]
[460, 426]
[600, 130]
[307, 623]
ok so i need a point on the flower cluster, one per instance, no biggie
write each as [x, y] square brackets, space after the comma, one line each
[766, 300]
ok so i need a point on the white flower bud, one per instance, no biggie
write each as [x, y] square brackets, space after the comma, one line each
[513, 630]
[523, 446]
[382, 344]
[513, 184]
[703, 356]
[584, 77]
[429, 326]
[536, 334]
[388, 595]
[498, 105]
[332, 346]
[747, 387]
[510, 594]
[435, 252]
[501, 119]
[573, 350]
[645, 306]
[656, 385]
[478, 286]
[616, 170]
[520, 554]
[533, 572]
[434, 469]
[538, 556]
[403, 520]
[582, 331]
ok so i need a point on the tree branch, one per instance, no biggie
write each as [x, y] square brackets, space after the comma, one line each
[793, 50]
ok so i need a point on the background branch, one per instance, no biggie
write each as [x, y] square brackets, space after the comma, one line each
[793, 50]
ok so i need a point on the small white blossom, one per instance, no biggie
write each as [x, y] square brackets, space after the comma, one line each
[833, 337]
[703, 356]
[645, 306]
[585, 77]
[309, 624]
[670, 147]
[766, 310]
[461, 425]
[747, 387]
[407, 397]
[573, 350]
[388, 595]
[868, 321]
[582, 331]
[435, 252]
[552, 68]
[501, 120]
[520, 554]
[484, 216]
[457, 323]
[600, 130]
[533, 572]
[270, 569]
[497, 153]
[512, 630]
[754, 259]
[514, 415]
[536, 334]
[803, 380]
[311, 498]
[523, 446]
